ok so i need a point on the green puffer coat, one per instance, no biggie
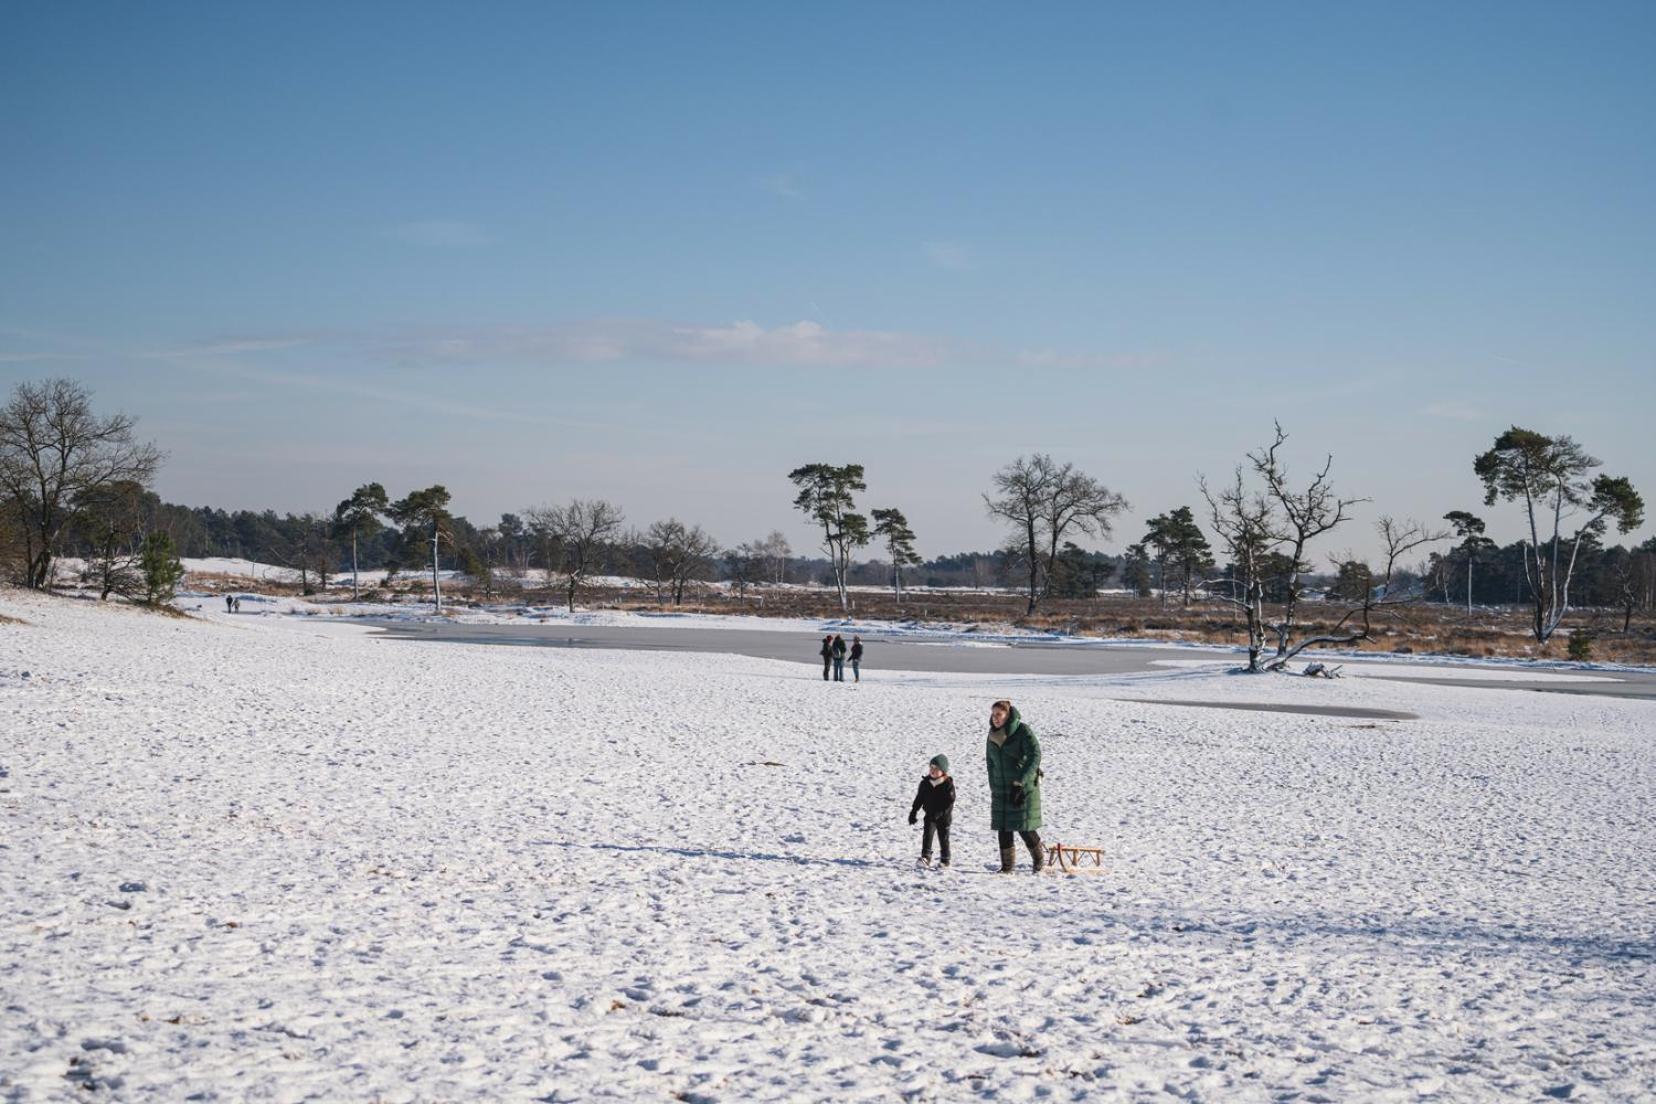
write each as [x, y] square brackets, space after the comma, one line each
[1018, 759]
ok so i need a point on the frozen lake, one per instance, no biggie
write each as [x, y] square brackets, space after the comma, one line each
[964, 656]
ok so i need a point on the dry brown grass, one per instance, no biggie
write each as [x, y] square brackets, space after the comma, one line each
[1419, 629]
[216, 583]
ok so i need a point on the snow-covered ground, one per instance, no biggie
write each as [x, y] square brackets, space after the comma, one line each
[280, 859]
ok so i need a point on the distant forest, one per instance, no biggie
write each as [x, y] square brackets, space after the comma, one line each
[311, 543]
[1614, 577]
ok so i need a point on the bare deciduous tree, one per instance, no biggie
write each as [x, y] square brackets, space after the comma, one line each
[1305, 516]
[112, 527]
[574, 538]
[745, 564]
[1249, 529]
[54, 453]
[775, 550]
[1045, 502]
[678, 553]
[1023, 487]
[1274, 524]
[1371, 596]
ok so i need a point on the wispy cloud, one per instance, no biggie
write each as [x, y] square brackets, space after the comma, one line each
[400, 396]
[801, 344]
[289, 361]
[440, 234]
[26, 358]
[228, 346]
[948, 255]
[246, 360]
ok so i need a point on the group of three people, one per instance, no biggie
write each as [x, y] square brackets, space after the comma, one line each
[834, 653]
[1013, 757]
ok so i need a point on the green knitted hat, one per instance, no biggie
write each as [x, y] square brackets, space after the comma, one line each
[941, 762]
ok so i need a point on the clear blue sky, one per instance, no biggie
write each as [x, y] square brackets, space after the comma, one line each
[665, 253]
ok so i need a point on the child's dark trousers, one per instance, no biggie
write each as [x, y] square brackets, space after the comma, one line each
[941, 831]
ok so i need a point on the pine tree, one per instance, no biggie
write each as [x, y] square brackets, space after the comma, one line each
[1180, 545]
[359, 516]
[1135, 570]
[892, 527]
[1549, 475]
[1469, 528]
[161, 569]
[427, 511]
[825, 496]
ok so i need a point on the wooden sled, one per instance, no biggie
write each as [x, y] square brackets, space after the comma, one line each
[1074, 860]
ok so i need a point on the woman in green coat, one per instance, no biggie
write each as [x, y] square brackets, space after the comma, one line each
[1014, 757]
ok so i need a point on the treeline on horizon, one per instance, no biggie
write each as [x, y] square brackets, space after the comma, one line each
[79, 484]
[306, 542]
[309, 543]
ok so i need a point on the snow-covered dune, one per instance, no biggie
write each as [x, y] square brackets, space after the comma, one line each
[279, 859]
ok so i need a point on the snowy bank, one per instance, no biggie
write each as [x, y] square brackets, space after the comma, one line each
[282, 859]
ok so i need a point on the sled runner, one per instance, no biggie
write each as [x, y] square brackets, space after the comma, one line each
[1071, 859]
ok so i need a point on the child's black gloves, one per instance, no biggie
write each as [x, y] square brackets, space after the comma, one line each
[912, 816]
[1017, 794]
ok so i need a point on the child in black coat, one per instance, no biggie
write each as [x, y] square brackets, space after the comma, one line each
[936, 796]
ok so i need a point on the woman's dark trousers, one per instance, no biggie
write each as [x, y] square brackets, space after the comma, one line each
[1009, 851]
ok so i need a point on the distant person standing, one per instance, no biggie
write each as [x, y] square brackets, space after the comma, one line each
[229, 603]
[856, 658]
[1014, 760]
[839, 658]
[827, 655]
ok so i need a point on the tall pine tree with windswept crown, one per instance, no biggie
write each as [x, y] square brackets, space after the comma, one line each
[359, 517]
[891, 527]
[427, 511]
